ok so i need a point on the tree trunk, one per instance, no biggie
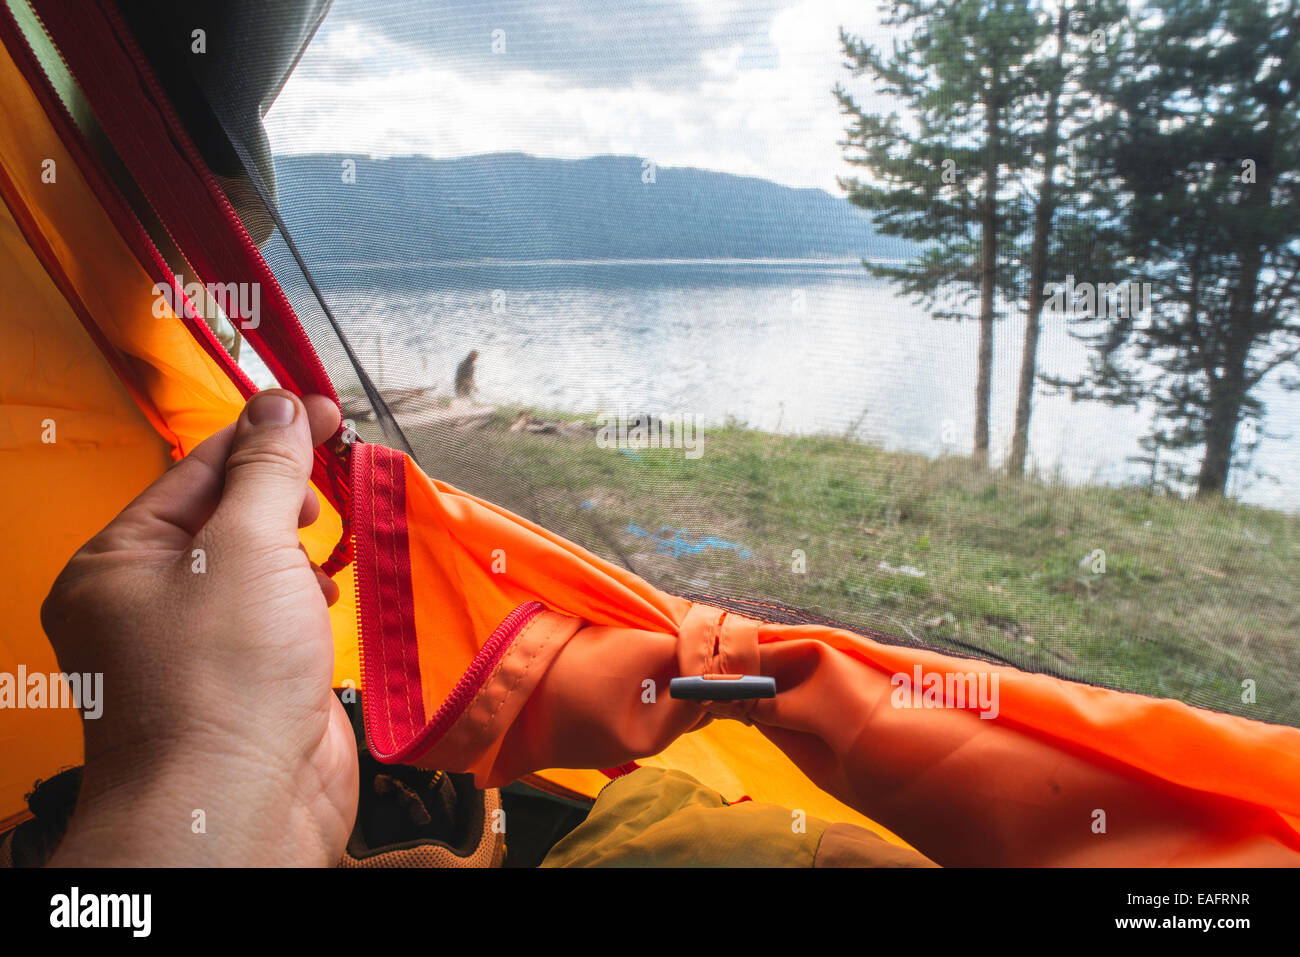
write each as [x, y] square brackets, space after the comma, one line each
[1220, 435]
[1228, 390]
[1043, 216]
[988, 280]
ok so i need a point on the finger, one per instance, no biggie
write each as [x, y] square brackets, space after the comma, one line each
[328, 586]
[310, 510]
[267, 470]
[324, 418]
[171, 511]
[323, 415]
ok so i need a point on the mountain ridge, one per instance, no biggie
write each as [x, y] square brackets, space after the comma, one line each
[515, 206]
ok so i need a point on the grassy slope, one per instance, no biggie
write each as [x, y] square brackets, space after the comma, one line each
[1195, 597]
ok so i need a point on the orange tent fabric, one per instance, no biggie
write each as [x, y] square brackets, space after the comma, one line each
[128, 391]
[489, 644]
[493, 646]
[57, 493]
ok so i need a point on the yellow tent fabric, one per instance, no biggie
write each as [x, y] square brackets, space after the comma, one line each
[189, 398]
[55, 495]
[114, 449]
[101, 385]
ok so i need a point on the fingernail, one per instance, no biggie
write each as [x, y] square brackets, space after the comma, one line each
[270, 409]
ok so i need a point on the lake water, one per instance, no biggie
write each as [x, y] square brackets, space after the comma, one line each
[786, 346]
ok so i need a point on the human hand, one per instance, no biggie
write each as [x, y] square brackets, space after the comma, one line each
[217, 683]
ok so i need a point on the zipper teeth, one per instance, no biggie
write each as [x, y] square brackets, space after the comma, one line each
[53, 46]
[356, 610]
[361, 567]
[361, 658]
[334, 468]
[146, 252]
[330, 464]
[505, 633]
[294, 329]
[188, 311]
[219, 354]
[471, 682]
[191, 154]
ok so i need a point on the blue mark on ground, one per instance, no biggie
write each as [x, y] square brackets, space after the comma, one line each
[680, 542]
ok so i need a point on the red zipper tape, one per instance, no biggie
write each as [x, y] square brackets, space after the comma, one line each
[153, 146]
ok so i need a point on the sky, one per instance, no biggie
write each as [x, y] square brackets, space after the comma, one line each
[742, 87]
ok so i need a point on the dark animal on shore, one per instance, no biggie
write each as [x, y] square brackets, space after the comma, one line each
[465, 386]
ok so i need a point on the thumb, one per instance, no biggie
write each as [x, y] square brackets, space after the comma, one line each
[268, 469]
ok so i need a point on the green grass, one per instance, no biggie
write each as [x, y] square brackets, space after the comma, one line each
[1195, 598]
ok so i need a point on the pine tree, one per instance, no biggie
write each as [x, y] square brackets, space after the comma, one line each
[1071, 72]
[1205, 145]
[944, 177]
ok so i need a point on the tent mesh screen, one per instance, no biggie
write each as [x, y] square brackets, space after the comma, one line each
[488, 178]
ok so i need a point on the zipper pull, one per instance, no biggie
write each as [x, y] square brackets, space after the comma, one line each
[722, 687]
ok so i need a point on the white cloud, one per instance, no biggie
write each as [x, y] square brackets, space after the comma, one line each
[360, 90]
